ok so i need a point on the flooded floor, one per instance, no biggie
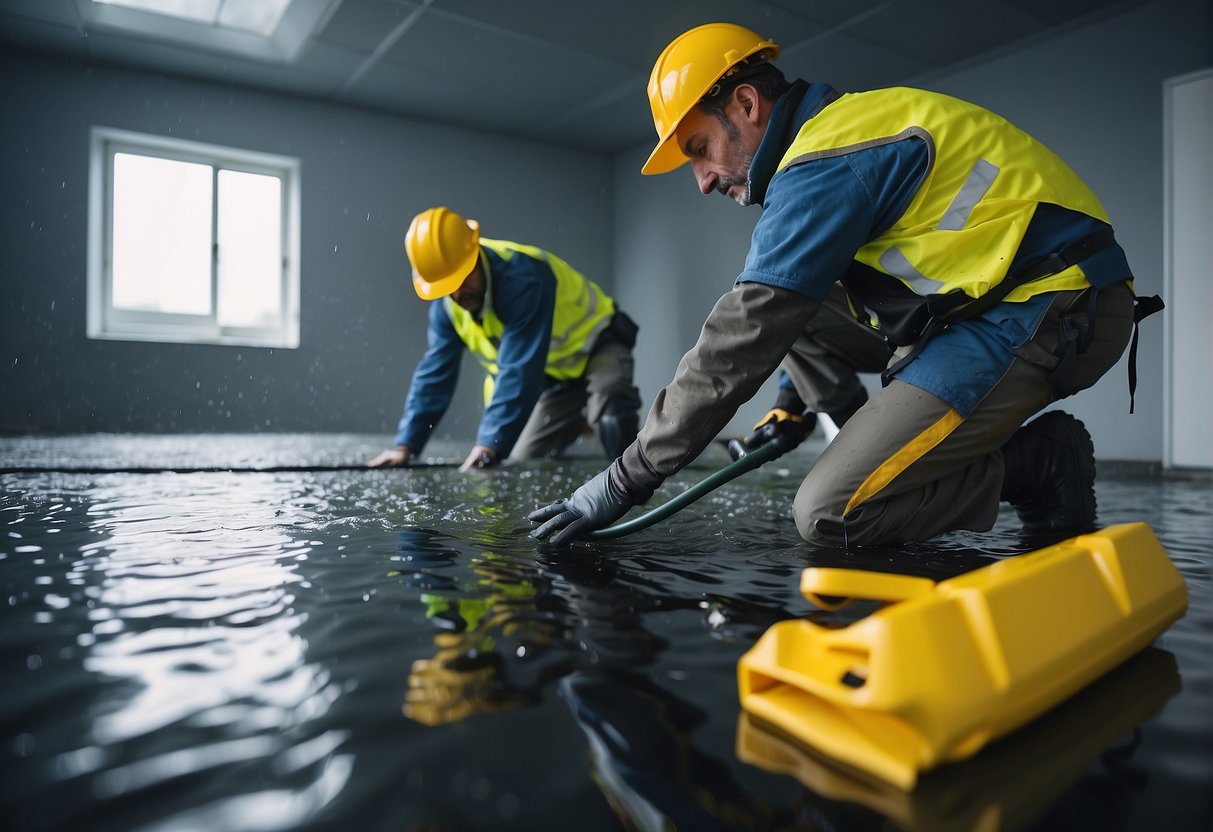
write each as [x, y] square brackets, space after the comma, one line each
[356, 649]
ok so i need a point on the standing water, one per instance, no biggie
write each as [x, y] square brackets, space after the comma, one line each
[358, 649]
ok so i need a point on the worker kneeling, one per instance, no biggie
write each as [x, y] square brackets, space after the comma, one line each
[557, 350]
[904, 232]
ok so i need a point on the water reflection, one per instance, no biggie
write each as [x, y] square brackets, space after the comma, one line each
[466, 674]
[643, 758]
[506, 627]
[517, 626]
[598, 624]
[1081, 753]
[185, 606]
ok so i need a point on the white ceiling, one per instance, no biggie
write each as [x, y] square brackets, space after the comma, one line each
[567, 72]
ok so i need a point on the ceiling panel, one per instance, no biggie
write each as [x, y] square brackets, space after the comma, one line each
[831, 13]
[569, 74]
[913, 29]
[849, 64]
[61, 13]
[515, 80]
[51, 37]
[628, 32]
[361, 25]
[1058, 12]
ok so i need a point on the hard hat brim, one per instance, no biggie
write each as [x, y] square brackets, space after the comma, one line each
[666, 156]
[427, 290]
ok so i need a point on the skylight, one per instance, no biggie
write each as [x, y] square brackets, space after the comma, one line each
[259, 17]
[274, 31]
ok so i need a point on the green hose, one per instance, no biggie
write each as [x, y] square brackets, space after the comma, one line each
[749, 462]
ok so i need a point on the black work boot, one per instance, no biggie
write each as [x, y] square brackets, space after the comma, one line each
[616, 430]
[1050, 475]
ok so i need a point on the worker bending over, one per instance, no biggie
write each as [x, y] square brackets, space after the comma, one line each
[557, 351]
[986, 265]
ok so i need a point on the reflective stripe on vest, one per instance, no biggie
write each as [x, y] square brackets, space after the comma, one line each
[984, 180]
[582, 312]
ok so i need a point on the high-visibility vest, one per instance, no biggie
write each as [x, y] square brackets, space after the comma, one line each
[582, 312]
[984, 181]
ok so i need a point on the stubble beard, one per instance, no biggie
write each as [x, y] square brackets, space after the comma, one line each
[740, 161]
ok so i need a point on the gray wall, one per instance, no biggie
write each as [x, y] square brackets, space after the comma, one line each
[364, 176]
[1094, 96]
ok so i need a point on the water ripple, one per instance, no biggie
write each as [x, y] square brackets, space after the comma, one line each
[348, 650]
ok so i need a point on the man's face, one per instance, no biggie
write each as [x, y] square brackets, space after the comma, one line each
[720, 151]
[470, 294]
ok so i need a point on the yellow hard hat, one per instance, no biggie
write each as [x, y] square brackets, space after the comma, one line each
[442, 248]
[683, 74]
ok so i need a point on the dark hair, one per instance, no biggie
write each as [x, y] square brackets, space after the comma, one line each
[756, 71]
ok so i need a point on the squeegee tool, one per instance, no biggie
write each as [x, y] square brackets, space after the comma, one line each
[943, 668]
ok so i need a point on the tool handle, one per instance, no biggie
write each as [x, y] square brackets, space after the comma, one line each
[749, 462]
[817, 581]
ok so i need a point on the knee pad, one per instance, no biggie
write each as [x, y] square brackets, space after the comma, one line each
[616, 430]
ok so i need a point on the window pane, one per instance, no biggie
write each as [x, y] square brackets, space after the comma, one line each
[168, 267]
[162, 235]
[250, 249]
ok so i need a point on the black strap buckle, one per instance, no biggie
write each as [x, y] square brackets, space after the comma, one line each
[1142, 309]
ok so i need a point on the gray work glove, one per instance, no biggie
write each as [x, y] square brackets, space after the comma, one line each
[596, 504]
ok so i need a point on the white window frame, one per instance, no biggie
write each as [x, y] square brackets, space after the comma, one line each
[107, 322]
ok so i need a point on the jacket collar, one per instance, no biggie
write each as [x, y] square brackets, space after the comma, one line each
[796, 106]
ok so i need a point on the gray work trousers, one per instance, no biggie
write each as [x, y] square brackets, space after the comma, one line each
[825, 362]
[565, 410]
[908, 467]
